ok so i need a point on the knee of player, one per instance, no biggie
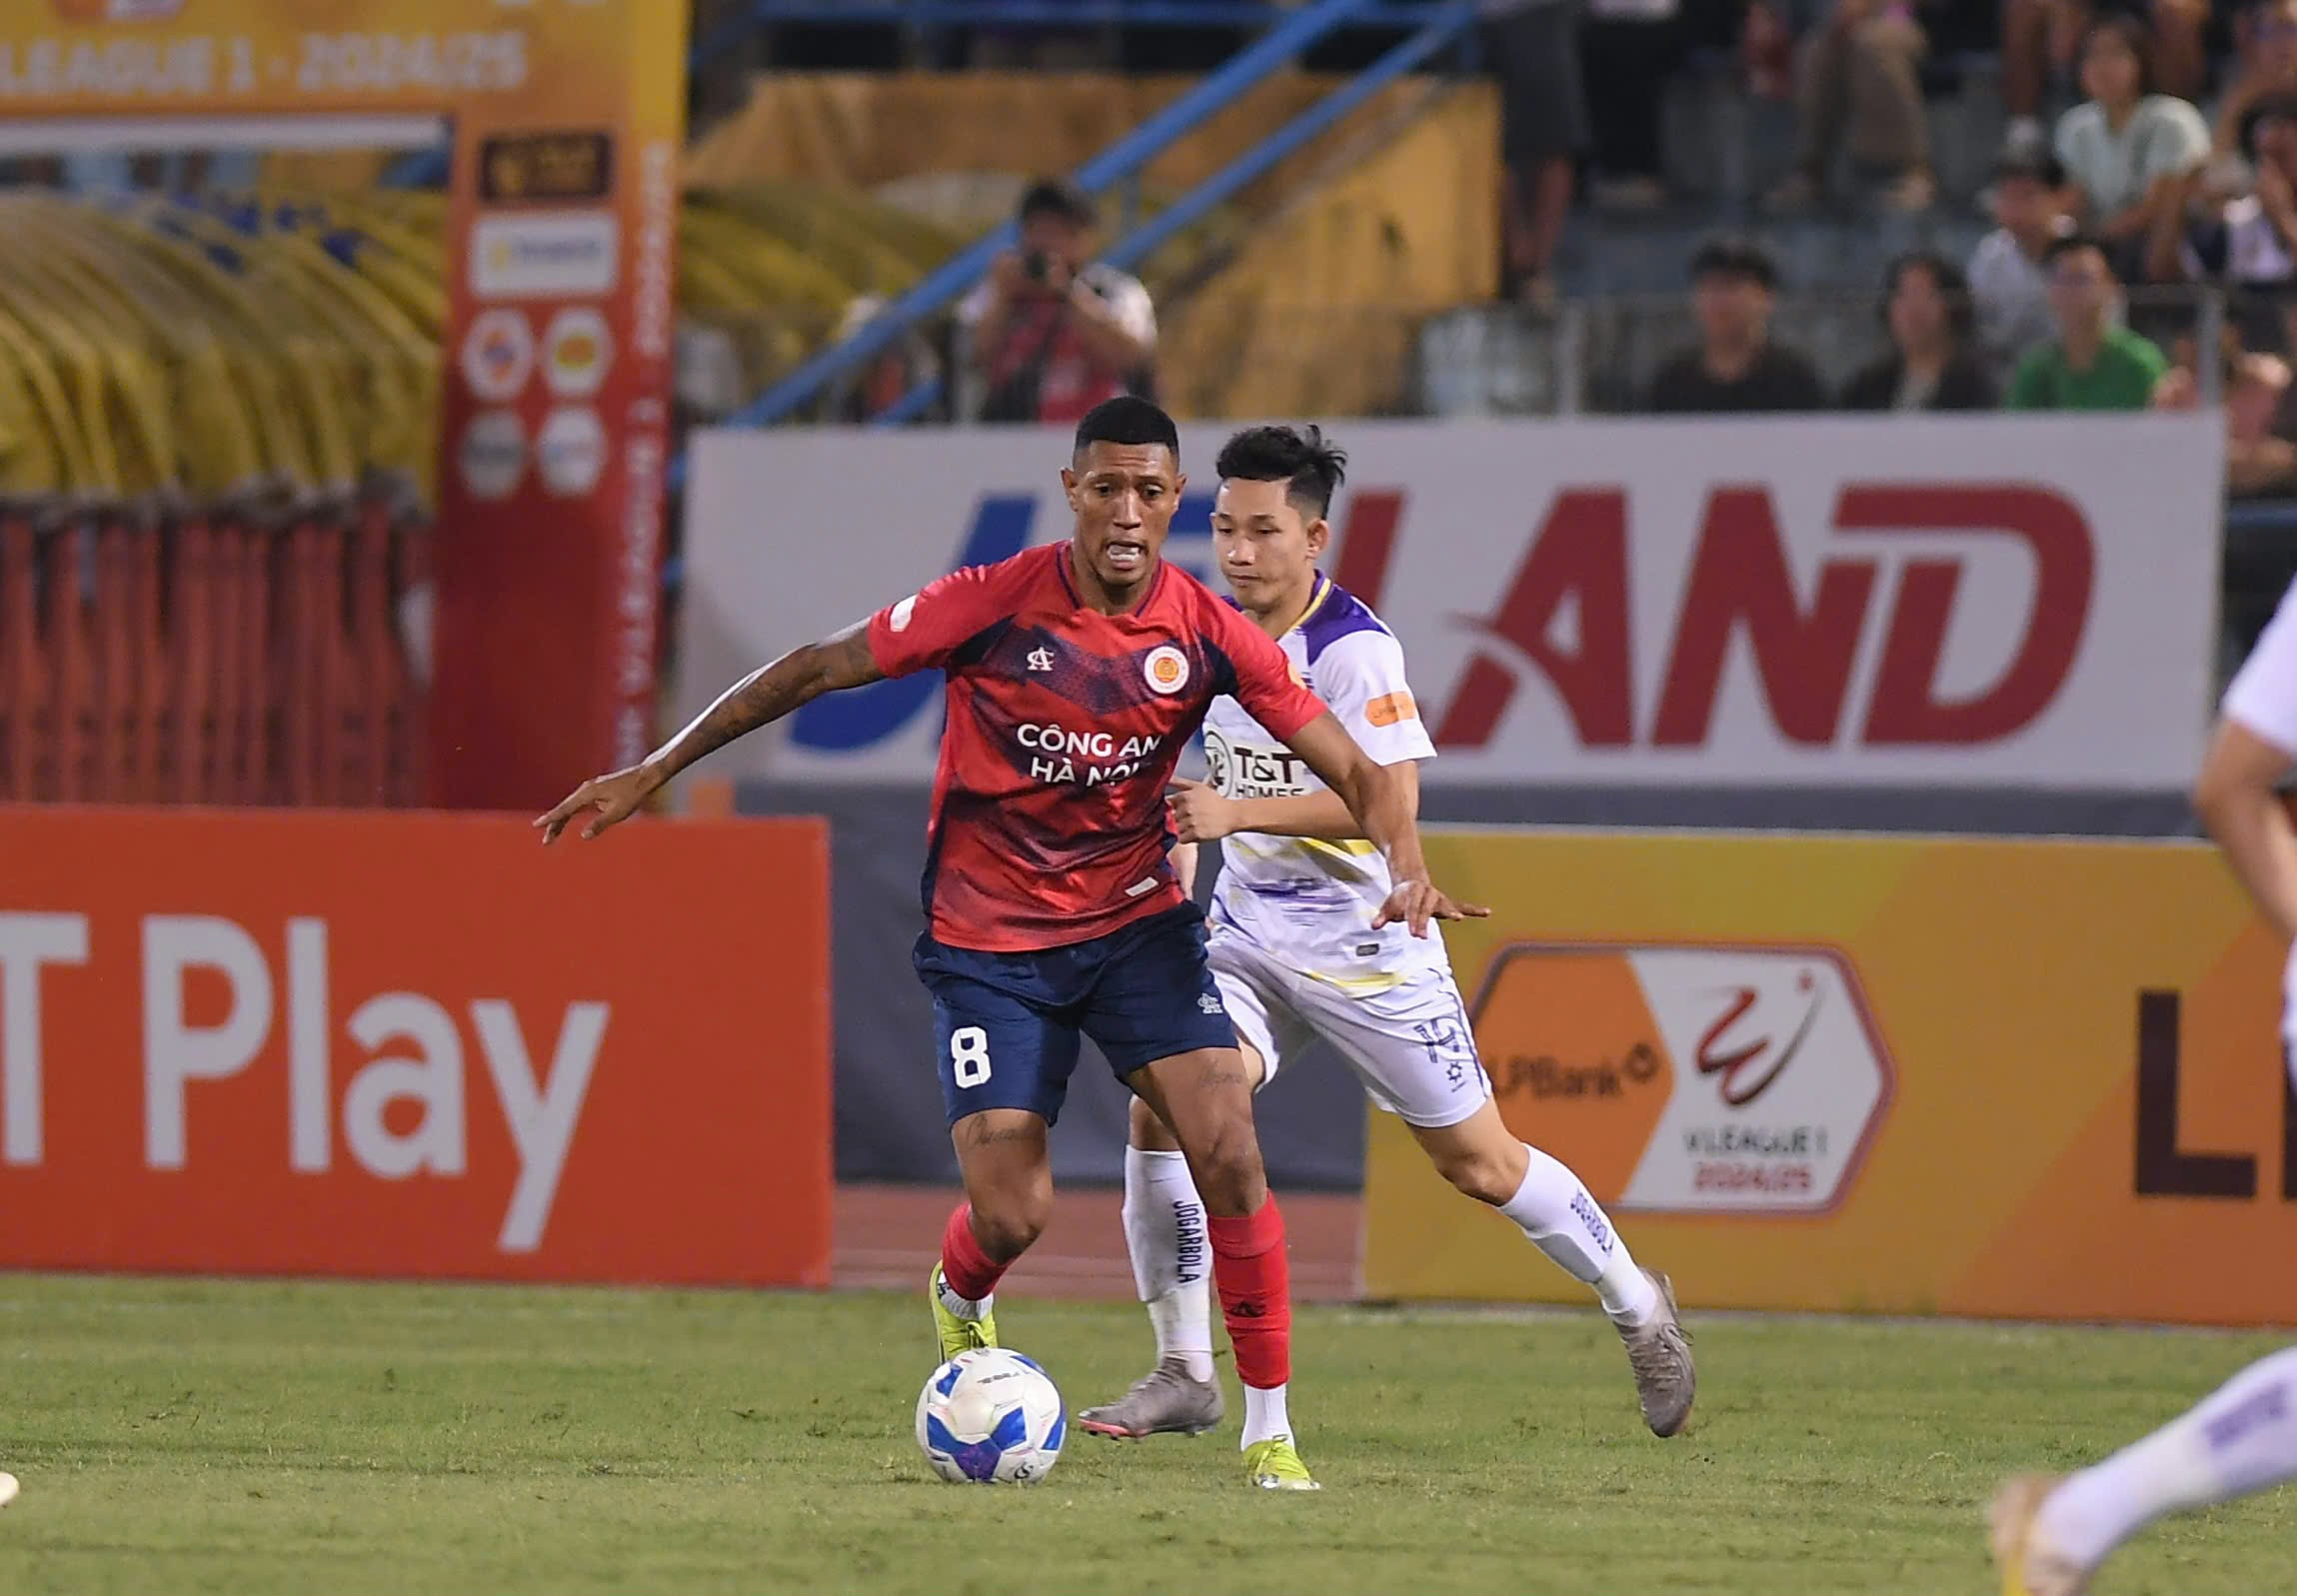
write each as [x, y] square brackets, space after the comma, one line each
[1480, 1172]
[1229, 1175]
[1148, 1133]
[1008, 1225]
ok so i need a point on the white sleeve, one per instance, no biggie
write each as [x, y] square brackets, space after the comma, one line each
[1360, 679]
[2263, 696]
[975, 304]
[1133, 310]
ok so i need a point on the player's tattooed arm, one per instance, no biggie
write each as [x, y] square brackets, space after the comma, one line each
[1384, 809]
[759, 699]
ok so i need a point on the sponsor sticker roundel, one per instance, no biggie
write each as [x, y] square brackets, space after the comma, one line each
[1167, 669]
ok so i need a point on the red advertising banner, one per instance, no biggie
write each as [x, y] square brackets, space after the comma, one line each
[414, 1046]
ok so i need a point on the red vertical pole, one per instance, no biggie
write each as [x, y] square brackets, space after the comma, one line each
[20, 674]
[189, 736]
[112, 617]
[75, 664]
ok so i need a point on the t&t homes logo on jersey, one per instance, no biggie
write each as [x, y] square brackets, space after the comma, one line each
[1687, 1079]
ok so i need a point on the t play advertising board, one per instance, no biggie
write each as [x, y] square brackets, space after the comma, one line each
[2001, 1078]
[1825, 601]
[413, 1045]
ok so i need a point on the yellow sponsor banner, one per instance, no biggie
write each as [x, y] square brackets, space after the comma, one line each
[87, 58]
[1991, 1078]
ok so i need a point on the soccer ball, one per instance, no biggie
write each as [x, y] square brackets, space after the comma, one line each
[990, 1417]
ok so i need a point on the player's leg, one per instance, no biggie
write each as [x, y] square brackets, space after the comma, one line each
[1165, 1237]
[1205, 1097]
[2050, 1535]
[1156, 1014]
[1415, 1050]
[1005, 1059]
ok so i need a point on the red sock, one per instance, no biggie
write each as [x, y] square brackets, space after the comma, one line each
[1255, 1282]
[971, 1272]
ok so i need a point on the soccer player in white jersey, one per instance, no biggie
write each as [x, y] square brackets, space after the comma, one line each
[1296, 956]
[2051, 1534]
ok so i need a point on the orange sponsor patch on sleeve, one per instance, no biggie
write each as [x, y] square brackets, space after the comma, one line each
[1395, 707]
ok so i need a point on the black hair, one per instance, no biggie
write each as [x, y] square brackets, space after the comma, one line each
[1308, 464]
[1735, 257]
[1952, 286]
[1127, 418]
[2067, 242]
[2042, 166]
[1051, 196]
[2135, 38]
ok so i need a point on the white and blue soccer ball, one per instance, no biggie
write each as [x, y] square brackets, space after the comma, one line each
[991, 1417]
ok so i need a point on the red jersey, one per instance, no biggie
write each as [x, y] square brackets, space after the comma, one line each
[1049, 822]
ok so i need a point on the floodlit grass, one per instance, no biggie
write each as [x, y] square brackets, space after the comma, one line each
[243, 1437]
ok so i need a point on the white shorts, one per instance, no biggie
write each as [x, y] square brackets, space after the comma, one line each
[1410, 1045]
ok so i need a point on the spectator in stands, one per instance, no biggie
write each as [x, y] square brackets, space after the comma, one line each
[2095, 363]
[1631, 48]
[2009, 286]
[2042, 36]
[2260, 461]
[1052, 331]
[1858, 87]
[1736, 367]
[2266, 36]
[1931, 364]
[1533, 49]
[2245, 240]
[2127, 149]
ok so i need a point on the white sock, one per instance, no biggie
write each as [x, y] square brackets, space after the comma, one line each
[2240, 1439]
[1565, 1222]
[1265, 1416]
[1171, 1255]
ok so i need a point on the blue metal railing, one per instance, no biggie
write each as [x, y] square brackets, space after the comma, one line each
[1302, 28]
[1443, 23]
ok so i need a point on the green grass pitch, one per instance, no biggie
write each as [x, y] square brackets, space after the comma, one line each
[252, 1437]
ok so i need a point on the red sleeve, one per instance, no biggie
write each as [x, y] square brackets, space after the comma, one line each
[924, 630]
[1265, 686]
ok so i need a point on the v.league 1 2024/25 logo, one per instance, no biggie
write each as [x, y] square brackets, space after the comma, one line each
[1684, 1078]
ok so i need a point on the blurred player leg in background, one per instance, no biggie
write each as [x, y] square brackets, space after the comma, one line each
[2050, 1534]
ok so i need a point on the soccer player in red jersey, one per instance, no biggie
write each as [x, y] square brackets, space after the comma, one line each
[1076, 674]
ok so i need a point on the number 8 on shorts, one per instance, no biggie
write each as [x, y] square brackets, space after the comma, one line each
[968, 1056]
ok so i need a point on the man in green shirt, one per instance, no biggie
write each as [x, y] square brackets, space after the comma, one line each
[2095, 363]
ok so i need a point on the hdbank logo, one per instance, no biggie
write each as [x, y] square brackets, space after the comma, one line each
[1004, 523]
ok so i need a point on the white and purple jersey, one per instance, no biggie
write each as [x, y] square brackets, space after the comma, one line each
[1307, 902]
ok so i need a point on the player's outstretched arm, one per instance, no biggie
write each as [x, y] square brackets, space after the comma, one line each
[1383, 806]
[2237, 799]
[759, 699]
[1201, 815]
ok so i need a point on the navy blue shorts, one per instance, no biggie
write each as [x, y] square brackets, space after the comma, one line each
[1005, 1026]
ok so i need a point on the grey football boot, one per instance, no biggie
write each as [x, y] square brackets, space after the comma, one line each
[1660, 1354]
[1167, 1400]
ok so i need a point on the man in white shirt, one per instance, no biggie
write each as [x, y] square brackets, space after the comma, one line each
[2009, 284]
[2050, 1535]
[1296, 956]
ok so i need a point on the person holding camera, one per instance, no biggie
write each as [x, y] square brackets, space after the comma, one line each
[1052, 332]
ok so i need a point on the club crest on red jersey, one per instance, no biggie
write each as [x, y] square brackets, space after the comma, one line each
[1165, 670]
